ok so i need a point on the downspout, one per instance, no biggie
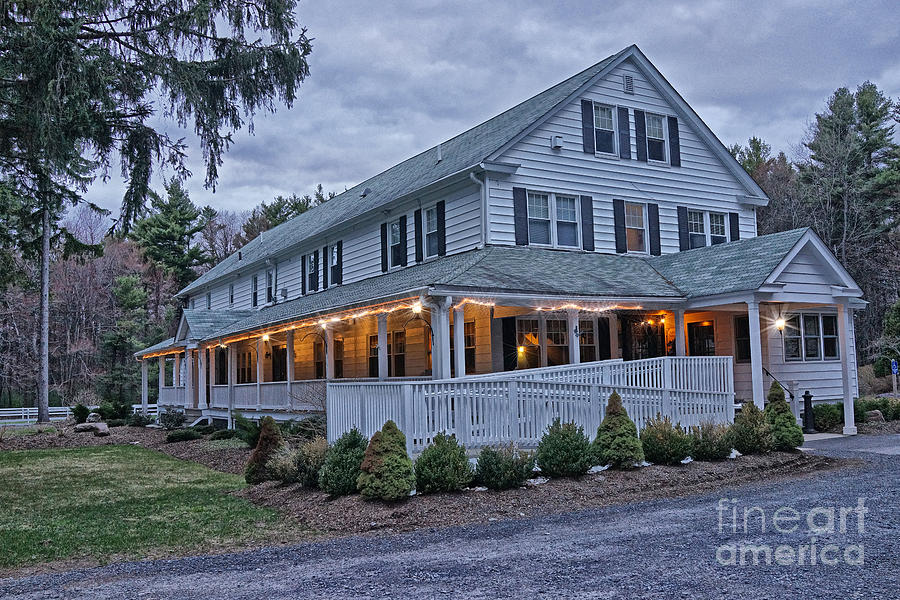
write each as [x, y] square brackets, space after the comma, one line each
[484, 207]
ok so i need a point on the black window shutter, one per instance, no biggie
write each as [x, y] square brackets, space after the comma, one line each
[603, 338]
[339, 276]
[674, 143]
[520, 215]
[624, 133]
[303, 274]
[734, 224]
[325, 259]
[442, 227]
[587, 126]
[640, 135]
[619, 220]
[384, 248]
[653, 226]
[587, 223]
[684, 239]
[315, 282]
[417, 217]
[403, 241]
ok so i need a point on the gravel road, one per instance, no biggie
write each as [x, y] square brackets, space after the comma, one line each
[661, 549]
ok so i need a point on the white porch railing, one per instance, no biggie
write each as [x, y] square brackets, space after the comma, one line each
[492, 409]
[171, 396]
[152, 409]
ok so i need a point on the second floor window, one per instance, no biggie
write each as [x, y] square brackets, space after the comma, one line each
[604, 129]
[635, 228]
[312, 273]
[208, 300]
[431, 232]
[335, 267]
[656, 137]
[394, 242]
[270, 285]
[706, 228]
[552, 219]
[254, 291]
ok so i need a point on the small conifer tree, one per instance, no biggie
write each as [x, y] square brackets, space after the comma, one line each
[386, 470]
[617, 443]
[270, 442]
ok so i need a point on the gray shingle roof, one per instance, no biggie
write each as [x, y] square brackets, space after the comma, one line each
[734, 267]
[163, 345]
[464, 151]
[203, 323]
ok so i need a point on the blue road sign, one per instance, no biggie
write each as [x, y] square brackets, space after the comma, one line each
[894, 367]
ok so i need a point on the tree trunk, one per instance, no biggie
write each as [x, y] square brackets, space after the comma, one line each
[43, 400]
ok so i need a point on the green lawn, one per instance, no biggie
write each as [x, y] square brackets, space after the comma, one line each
[122, 502]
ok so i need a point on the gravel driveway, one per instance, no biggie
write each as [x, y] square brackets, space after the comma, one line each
[660, 549]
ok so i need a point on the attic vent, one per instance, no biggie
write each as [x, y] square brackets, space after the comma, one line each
[240, 255]
[629, 84]
[439, 157]
[365, 192]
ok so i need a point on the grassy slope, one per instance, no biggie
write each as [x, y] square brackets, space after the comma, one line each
[111, 502]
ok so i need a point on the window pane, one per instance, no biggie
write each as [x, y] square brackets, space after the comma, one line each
[538, 206]
[792, 348]
[635, 238]
[567, 234]
[565, 208]
[557, 332]
[538, 231]
[656, 149]
[603, 117]
[717, 239]
[431, 244]
[829, 324]
[695, 222]
[605, 141]
[634, 215]
[831, 347]
[717, 224]
[655, 127]
[395, 232]
[811, 345]
[431, 221]
[810, 325]
[698, 240]
[792, 326]
[527, 332]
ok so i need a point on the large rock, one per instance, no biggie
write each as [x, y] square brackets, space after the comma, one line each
[85, 427]
[101, 430]
[874, 416]
[93, 418]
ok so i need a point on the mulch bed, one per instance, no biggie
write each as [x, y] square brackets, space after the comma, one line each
[228, 460]
[352, 515]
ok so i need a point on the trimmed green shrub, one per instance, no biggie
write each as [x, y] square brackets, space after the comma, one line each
[665, 443]
[775, 393]
[310, 460]
[826, 416]
[182, 435]
[223, 434]
[503, 467]
[204, 429]
[564, 451]
[138, 419]
[617, 443]
[270, 442]
[340, 470]
[113, 410]
[786, 434]
[386, 472]
[443, 467]
[80, 412]
[246, 429]
[710, 441]
[171, 419]
[116, 423]
[750, 433]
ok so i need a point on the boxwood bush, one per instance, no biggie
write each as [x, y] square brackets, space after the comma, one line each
[617, 443]
[564, 451]
[710, 441]
[503, 467]
[443, 467]
[665, 443]
[340, 470]
[827, 416]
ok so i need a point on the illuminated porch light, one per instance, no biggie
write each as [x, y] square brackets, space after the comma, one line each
[265, 337]
[779, 324]
[417, 308]
[521, 349]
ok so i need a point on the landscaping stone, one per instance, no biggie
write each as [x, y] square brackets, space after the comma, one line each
[93, 418]
[85, 427]
[101, 429]
[874, 416]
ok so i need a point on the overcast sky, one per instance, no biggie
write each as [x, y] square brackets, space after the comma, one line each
[390, 79]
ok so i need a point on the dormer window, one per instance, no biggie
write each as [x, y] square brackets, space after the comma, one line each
[431, 232]
[656, 137]
[604, 129]
[395, 244]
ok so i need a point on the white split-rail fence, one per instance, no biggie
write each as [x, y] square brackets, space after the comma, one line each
[518, 406]
[29, 414]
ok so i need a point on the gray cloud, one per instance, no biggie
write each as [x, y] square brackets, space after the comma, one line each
[390, 79]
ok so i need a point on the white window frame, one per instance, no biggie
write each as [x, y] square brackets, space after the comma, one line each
[554, 221]
[644, 220]
[208, 300]
[615, 129]
[391, 244]
[230, 294]
[665, 138]
[427, 232]
[801, 335]
[707, 226]
[332, 264]
[270, 286]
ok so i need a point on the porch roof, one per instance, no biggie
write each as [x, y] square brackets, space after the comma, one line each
[163, 345]
[725, 268]
[201, 324]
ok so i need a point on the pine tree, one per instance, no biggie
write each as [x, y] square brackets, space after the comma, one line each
[120, 384]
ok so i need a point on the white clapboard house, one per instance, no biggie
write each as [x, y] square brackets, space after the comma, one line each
[597, 236]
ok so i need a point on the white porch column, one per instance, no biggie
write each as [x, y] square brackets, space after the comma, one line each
[145, 387]
[188, 378]
[289, 336]
[176, 371]
[542, 338]
[212, 372]
[329, 353]
[440, 351]
[201, 378]
[459, 341]
[162, 379]
[574, 339]
[680, 346]
[844, 316]
[232, 378]
[382, 346]
[260, 349]
[756, 366]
